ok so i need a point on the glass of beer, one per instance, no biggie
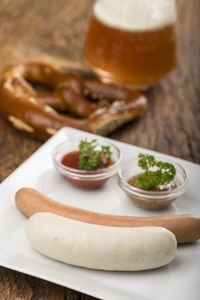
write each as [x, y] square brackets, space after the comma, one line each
[132, 42]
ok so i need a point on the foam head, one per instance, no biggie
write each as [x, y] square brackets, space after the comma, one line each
[136, 15]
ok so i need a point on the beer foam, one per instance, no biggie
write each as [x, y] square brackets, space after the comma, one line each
[136, 15]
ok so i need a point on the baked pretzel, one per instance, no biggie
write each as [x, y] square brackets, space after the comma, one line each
[99, 108]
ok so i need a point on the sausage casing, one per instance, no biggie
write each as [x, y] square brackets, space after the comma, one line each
[100, 247]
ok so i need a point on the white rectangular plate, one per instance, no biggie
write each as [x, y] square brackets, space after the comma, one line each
[178, 280]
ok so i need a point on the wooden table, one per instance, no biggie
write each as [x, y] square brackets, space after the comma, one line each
[171, 125]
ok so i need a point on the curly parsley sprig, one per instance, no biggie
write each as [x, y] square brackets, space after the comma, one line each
[90, 157]
[156, 172]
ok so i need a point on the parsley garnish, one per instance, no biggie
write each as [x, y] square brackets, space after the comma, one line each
[156, 172]
[90, 157]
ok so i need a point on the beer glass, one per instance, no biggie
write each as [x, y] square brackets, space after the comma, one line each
[132, 42]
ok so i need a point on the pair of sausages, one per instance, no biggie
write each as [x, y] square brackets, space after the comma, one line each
[185, 227]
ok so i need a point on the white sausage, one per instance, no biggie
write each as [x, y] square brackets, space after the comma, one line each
[100, 247]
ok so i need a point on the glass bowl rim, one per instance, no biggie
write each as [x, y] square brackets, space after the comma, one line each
[147, 193]
[84, 174]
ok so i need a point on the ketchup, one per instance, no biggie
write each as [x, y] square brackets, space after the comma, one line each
[71, 160]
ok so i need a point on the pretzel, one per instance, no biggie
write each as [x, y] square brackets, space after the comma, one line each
[91, 105]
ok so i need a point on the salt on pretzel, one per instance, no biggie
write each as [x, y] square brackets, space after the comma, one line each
[99, 108]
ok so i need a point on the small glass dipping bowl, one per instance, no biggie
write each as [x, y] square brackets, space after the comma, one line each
[152, 200]
[82, 178]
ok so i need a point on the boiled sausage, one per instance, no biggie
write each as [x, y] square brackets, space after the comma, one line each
[100, 247]
[185, 227]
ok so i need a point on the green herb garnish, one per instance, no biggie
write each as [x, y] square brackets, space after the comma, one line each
[92, 155]
[156, 172]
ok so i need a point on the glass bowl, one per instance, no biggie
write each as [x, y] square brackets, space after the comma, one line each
[152, 200]
[82, 178]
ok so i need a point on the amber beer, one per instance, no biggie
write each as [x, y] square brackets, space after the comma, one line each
[138, 50]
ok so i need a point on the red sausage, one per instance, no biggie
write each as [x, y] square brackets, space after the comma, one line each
[185, 227]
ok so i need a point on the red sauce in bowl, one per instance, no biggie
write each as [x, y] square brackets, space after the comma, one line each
[71, 159]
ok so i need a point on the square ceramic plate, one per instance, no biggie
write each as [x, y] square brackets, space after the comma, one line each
[178, 280]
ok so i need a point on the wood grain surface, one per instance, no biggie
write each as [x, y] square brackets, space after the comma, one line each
[171, 124]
